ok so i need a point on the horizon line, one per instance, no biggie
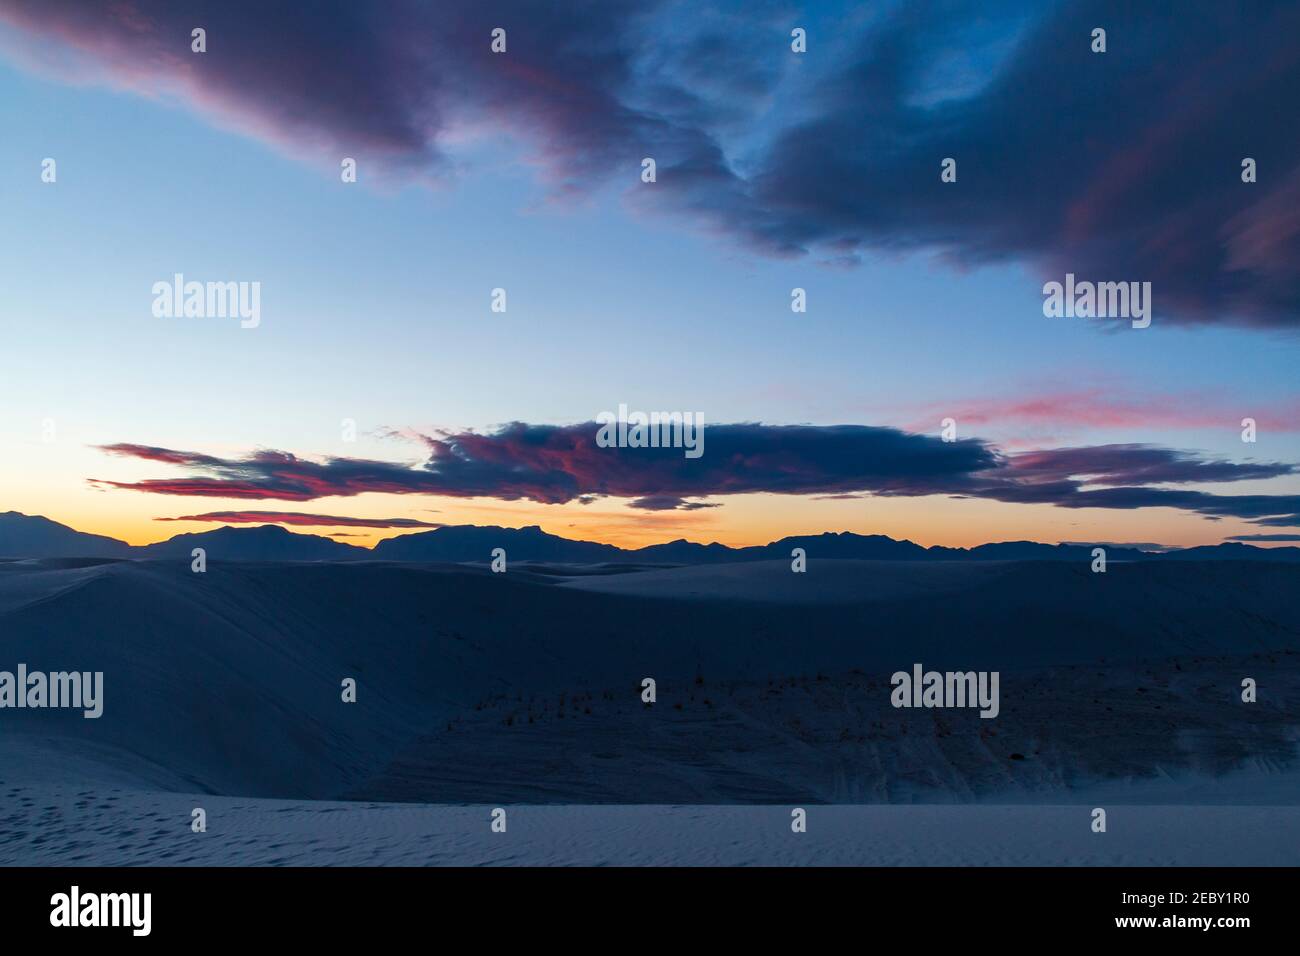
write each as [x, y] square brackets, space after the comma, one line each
[1262, 544]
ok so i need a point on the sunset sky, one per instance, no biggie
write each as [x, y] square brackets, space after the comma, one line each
[775, 170]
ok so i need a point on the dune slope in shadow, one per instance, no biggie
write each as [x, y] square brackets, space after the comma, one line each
[229, 681]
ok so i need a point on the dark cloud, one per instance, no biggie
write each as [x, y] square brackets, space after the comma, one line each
[1278, 521]
[1116, 166]
[1284, 509]
[1265, 537]
[670, 503]
[1132, 476]
[558, 464]
[1132, 464]
[1122, 166]
[299, 518]
[384, 82]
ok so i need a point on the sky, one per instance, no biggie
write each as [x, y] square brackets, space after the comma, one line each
[775, 170]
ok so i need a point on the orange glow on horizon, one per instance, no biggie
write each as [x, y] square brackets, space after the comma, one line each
[741, 521]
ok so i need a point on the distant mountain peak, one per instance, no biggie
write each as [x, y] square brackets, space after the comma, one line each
[35, 536]
[267, 542]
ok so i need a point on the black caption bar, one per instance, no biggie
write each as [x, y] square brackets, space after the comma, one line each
[337, 905]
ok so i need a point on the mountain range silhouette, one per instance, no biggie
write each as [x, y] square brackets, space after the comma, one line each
[34, 536]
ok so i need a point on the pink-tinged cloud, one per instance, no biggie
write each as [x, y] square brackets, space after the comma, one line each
[1072, 409]
[303, 519]
[167, 456]
[558, 464]
[554, 465]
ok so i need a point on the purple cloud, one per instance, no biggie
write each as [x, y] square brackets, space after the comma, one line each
[1117, 166]
[558, 464]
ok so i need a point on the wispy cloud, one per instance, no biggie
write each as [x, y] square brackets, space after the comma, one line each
[300, 518]
[1109, 406]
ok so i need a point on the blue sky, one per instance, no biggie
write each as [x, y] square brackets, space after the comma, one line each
[375, 305]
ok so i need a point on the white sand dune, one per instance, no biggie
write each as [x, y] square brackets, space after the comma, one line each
[523, 688]
[827, 582]
[84, 826]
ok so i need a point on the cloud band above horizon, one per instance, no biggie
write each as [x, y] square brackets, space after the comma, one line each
[552, 464]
